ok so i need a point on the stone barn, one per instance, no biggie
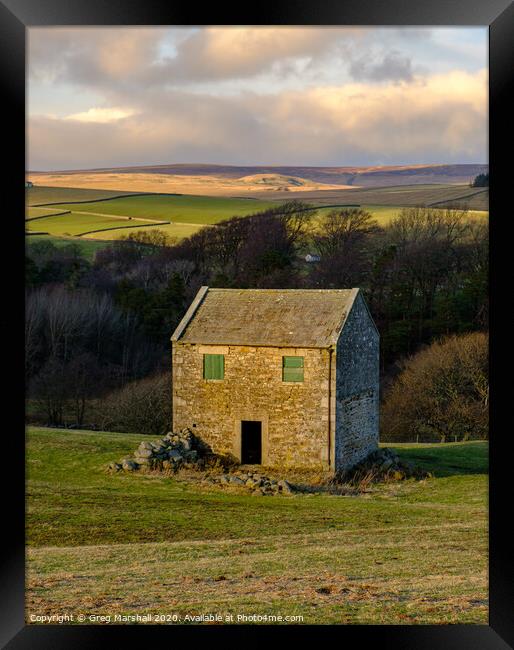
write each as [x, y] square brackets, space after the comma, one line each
[283, 378]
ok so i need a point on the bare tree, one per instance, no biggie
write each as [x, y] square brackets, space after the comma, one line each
[342, 240]
[297, 217]
[33, 331]
[341, 229]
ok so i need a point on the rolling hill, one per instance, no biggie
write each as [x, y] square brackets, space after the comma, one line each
[231, 180]
[351, 175]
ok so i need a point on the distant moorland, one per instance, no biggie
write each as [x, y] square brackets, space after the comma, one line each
[230, 180]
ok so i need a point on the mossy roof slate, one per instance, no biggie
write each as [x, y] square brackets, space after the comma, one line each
[310, 318]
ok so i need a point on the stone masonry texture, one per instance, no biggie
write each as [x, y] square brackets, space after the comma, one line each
[329, 421]
[294, 414]
[357, 388]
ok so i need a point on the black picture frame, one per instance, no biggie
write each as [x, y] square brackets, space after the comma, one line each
[15, 17]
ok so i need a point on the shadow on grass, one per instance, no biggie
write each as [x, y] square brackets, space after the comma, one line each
[446, 459]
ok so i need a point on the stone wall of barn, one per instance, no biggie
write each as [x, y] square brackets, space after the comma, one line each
[357, 388]
[294, 415]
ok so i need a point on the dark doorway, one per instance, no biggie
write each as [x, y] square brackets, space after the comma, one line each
[251, 442]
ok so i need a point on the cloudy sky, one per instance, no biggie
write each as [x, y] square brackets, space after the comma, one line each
[101, 97]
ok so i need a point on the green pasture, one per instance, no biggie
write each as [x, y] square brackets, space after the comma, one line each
[406, 552]
[40, 195]
[73, 224]
[39, 212]
[177, 230]
[187, 214]
[181, 209]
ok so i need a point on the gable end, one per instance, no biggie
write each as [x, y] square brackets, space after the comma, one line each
[189, 313]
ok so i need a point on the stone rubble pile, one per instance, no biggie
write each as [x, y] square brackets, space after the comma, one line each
[257, 483]
[182, 450]
[382, 464]
[173, 451]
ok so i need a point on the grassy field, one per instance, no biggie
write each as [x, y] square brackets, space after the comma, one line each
[403, 195]
[182, 209]
[109, 218]
[383, 214]
[80, 227]
[87, 247]
[410, 552]
[77, 224]
[41, 212]
[40, 195]
[479, 201]
[178, 230]
[178, 216]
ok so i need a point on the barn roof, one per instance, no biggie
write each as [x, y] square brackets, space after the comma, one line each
[310, 318]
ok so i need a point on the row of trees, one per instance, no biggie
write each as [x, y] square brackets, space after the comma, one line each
[424, 275]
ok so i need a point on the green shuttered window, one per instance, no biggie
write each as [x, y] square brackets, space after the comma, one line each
[213, 366]
[292, 368]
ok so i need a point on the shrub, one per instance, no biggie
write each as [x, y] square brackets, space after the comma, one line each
[441, 393]
[140, 407]
[482, 180]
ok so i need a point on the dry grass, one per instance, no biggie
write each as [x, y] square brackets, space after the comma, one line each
[390, 574]
[200, 185]
[408, 552]
[41, 195]
[439, 195]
